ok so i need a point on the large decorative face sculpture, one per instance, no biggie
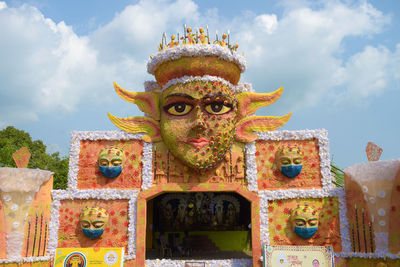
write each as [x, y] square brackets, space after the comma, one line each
[198, 122]
[289, 160]
[304, 220]
[196, 106]
[93, 221]
[111, 160]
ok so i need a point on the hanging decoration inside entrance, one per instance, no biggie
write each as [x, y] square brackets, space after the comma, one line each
[200, 211]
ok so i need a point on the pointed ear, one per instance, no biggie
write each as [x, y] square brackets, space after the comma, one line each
[248, 102]
[148, 102]
[139, 125]
[246, 127]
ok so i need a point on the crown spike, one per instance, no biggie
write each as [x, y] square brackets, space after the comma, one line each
[208, 35]
[196, 36]
[184, 34]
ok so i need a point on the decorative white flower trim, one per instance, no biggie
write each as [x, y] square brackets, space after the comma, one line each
[344, 222]
[264, 228]
[300, 193]
[151, 86]
[367, 255]
[147, 166]
[251, 167]
[244, 87]
[106, 194]
[26, 260]
[53, 225]
[11, 179]
[132, 227]
[266, 196]
[187, 79]
[77, 136]
[323, 142]
[381, 242]
[208, 263]
[196, 50]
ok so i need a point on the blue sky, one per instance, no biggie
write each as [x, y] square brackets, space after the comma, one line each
[338, 61]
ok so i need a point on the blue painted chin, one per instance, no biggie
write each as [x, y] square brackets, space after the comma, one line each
[291, 171]
[92, 233]
[111, 172]
[305, 232]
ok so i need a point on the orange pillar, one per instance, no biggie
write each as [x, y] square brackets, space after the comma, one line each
[141, 231]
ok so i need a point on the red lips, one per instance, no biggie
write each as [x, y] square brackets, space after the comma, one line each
[198, 142]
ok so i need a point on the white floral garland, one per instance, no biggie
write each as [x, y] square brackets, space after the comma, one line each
[244, 87]
[147, 166]
[251, 167]
[106, 194]
[152, 86]
[323, 142]
[77, 136]
[208, 263]
[368, 255]
[196, 50]
[26, 260]
[264, 228]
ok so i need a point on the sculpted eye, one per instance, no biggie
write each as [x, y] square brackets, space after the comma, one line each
[178, 109]
[217, 108]
[285, 161]
[300, 222]
[313, 222]
[297, 161]
[85, 225]
[98, 224]
[116, 162]
[103, 162]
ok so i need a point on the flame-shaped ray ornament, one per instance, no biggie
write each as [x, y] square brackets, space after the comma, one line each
[249, 102]
[139, 125]
[148, 102]
[246, 127]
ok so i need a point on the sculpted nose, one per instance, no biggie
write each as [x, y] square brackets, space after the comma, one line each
[199, 122]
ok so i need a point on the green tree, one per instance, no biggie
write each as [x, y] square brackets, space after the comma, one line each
[12, 139]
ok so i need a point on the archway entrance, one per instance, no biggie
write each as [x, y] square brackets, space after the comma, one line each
[198, 225]
[147, 234]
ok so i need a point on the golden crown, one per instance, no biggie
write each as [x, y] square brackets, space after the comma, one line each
[194, 54]
[199, 37]
[94, 211]
[305, 211]
[289, 148]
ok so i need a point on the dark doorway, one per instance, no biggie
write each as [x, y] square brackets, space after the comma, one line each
[199, 225]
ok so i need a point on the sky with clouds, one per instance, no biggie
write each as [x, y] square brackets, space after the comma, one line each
[338, 61]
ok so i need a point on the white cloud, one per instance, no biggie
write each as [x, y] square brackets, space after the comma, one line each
[303, 52]
[268, 23]
[47, 68]
[44, 65]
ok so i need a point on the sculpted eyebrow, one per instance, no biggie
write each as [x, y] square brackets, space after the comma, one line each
[181, 95]
[214, 95]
